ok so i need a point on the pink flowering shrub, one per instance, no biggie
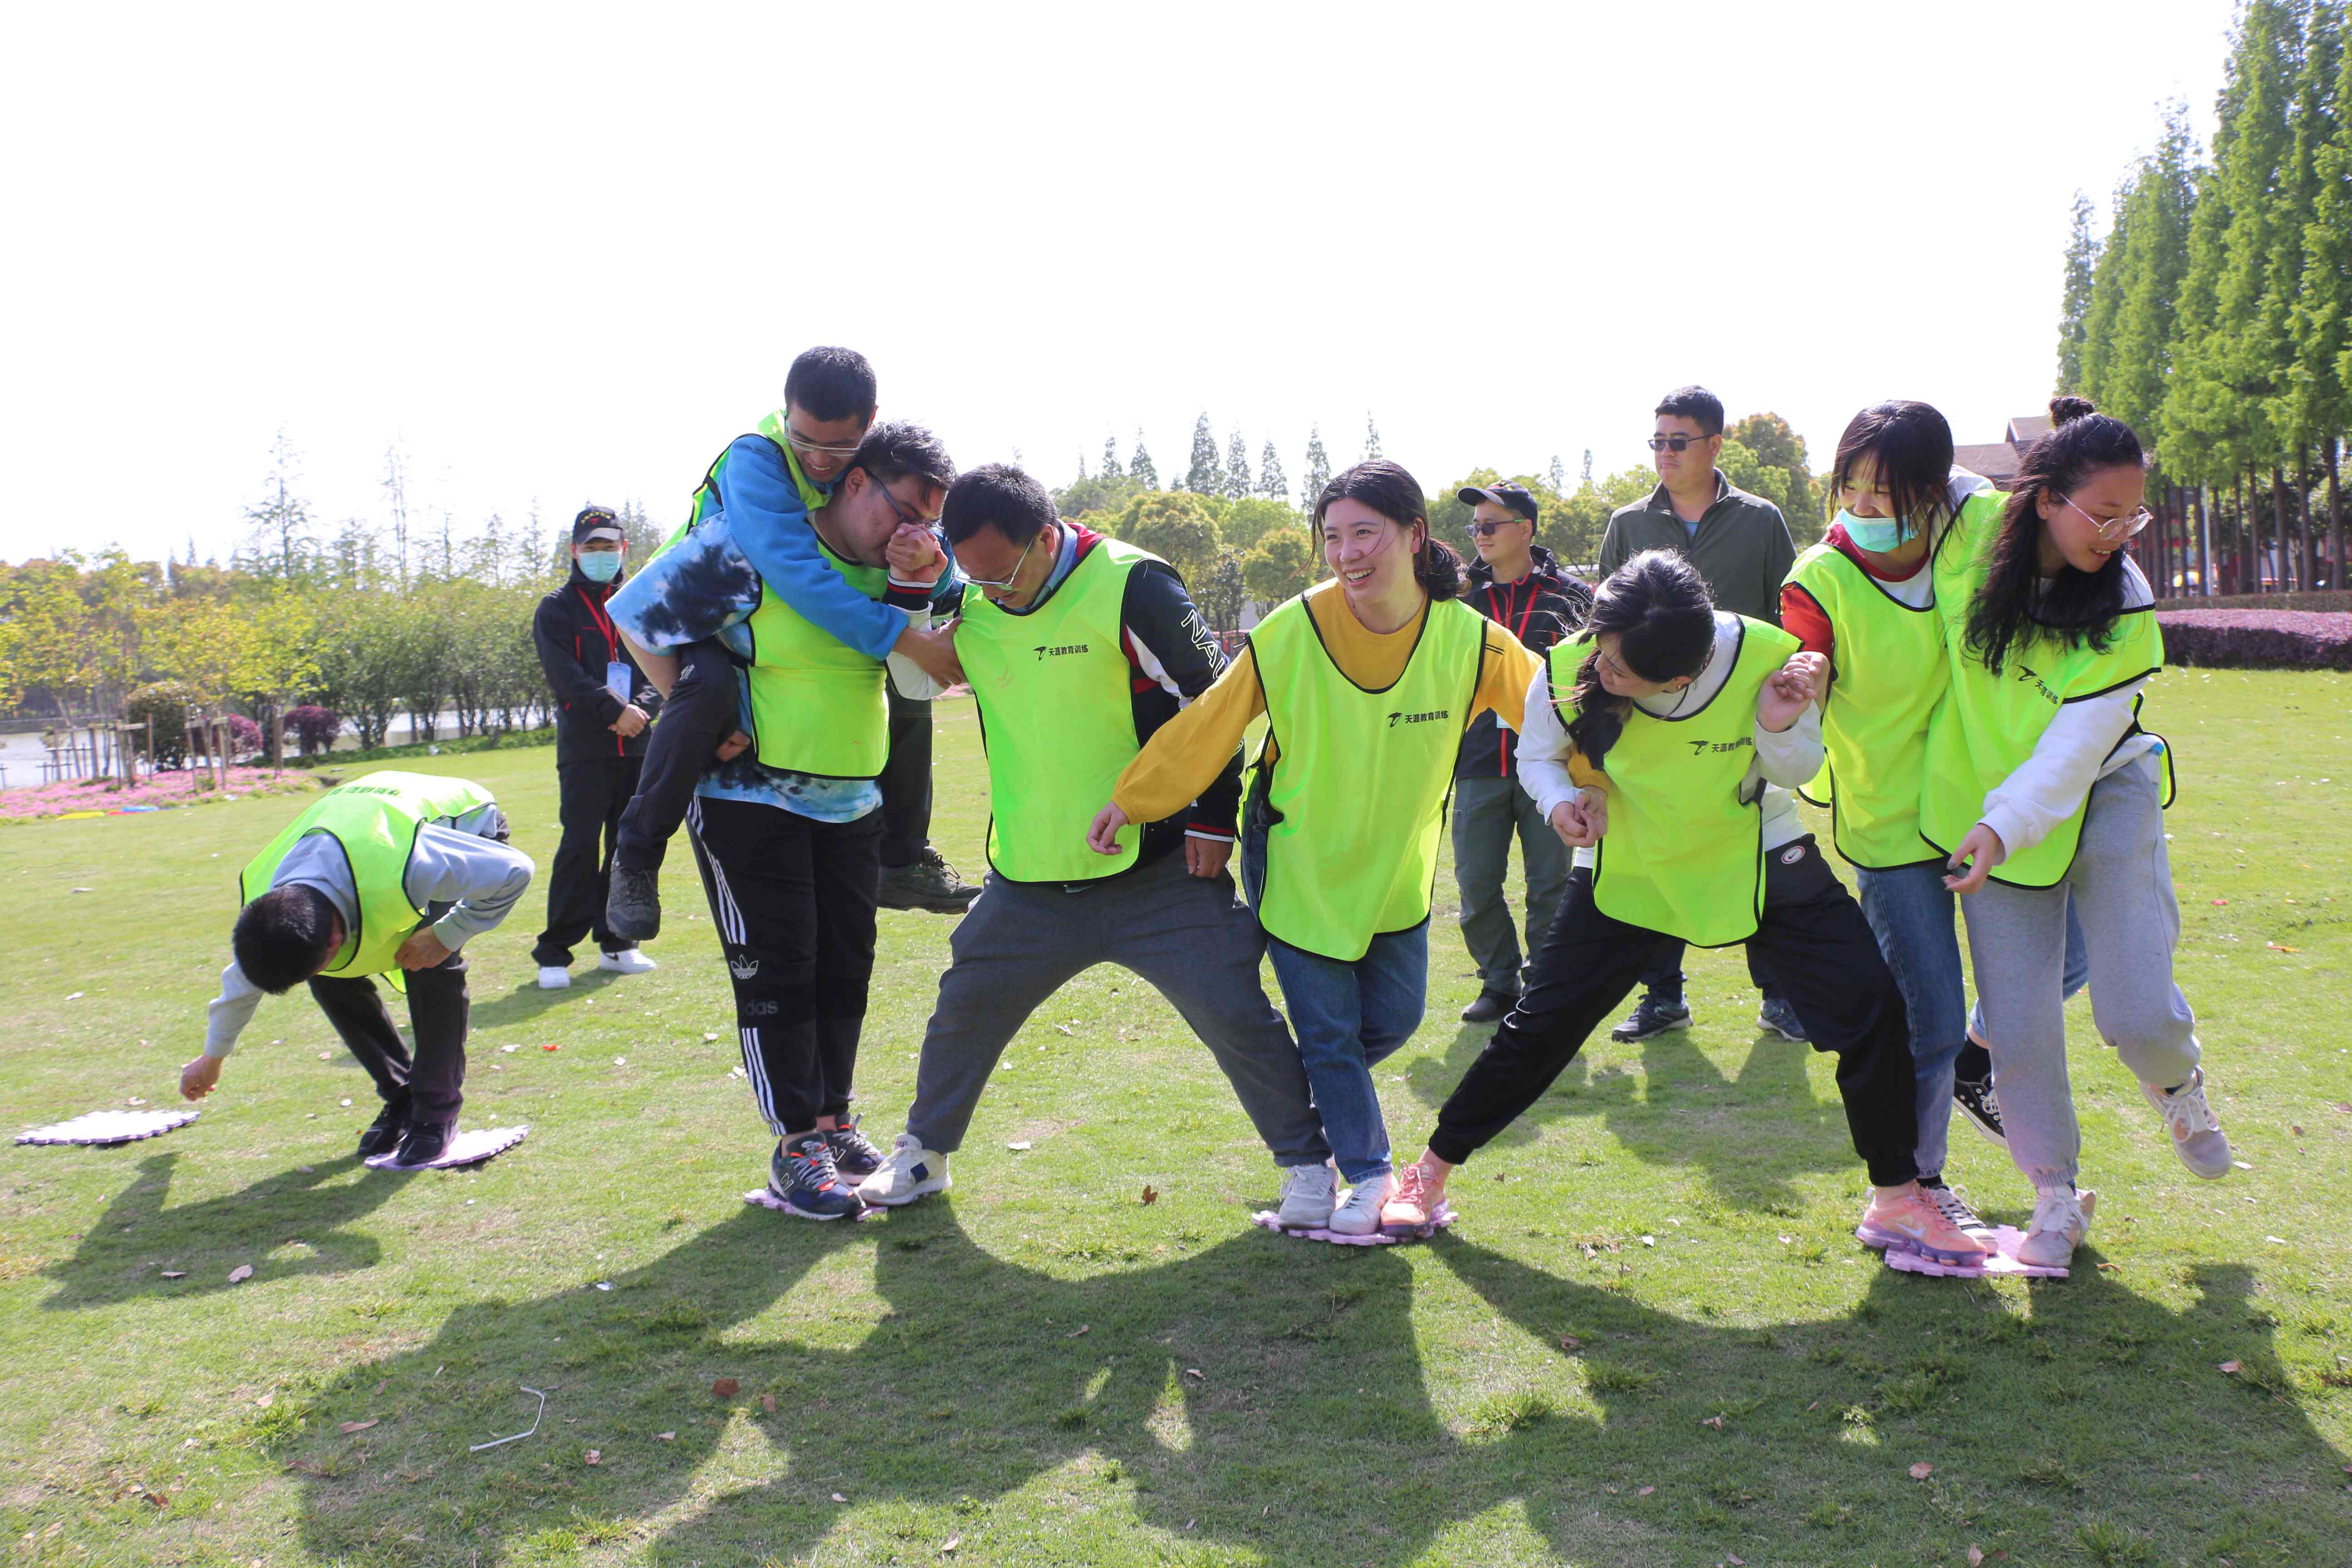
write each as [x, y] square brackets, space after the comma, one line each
[156, 791]
[2247, 639]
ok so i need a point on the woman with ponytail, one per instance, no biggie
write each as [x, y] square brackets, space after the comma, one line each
[1864, 599]
[1698, 723]
[2042, 787]
[1367, 682]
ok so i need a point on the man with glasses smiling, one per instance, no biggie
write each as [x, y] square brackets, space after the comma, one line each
[763, 486]
[1740, 543]
[1515, 582]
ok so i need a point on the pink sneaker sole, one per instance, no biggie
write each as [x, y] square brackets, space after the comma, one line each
[1892, 1241]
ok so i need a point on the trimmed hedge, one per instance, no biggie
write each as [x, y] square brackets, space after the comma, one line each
[2327, 601]
[2252, 639]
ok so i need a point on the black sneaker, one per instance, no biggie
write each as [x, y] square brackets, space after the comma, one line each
[383, 1133]
[633, 906]
[854, 1153]
[802, 1175]
[1975, 1098]
[1488, 1009]
[928, 883]
[424, 1143]
[1777, 1015]
[1651, 1017]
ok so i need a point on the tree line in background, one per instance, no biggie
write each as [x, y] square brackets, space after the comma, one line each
[2215, 314]
[1239, 538]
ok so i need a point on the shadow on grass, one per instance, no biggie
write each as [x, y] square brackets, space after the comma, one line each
[526, 1001]
[1747, 1134]
[1270, 1397]
[124, 1248]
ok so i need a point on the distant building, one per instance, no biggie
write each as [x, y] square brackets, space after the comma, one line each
[1997, 460]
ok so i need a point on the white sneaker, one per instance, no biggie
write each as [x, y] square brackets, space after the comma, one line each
[2062, 1217]
[2197, 1135]
[628, 961]
[1307, 1197]
[552, 978]
[1358, 1213]
[910, 1173]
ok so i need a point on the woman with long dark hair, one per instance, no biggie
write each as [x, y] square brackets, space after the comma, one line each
[1367, 682]
[1865, 598]
[1662, 740]
[2042, 787]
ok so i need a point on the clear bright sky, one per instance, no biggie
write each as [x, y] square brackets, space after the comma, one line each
[566, 253]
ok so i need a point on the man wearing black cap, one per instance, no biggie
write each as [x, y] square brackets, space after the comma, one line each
[603, 704]
[1515, 582]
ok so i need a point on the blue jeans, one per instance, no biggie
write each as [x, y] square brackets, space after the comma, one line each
[1910, 912]
[1347, 1018]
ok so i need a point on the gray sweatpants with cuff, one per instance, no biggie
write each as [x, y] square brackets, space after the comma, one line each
[1190, 937]
[2121, 881]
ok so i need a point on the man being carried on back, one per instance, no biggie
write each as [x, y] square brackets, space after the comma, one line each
[762, 489]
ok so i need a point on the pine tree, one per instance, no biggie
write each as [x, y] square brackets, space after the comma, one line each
[2075, 300]
[1584, 475]
[1139, 469]
[1110, 468]
[1237, 472]
[2322, 319]
[1205, 476]
[1372, 438]
[1557, 476]
[2152, 240]
[1318, 471]
[1271, 481]
[2095, 328]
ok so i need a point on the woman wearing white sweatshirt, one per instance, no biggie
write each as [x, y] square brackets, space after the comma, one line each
[2042, 784]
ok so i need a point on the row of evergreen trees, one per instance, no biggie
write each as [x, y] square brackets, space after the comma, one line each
[2215, 315]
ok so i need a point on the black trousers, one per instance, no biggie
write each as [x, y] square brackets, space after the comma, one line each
[701, 710]
[905, 780]
[592, 793]
[439, 1008]
[1820, 948]
[793, 901]
[1664, 977]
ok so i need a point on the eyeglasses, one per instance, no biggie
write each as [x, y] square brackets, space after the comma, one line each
[907, 516]
[1006, 583]
[1674, 443]
[805, 445]
[2115, 526]
[1487, 530]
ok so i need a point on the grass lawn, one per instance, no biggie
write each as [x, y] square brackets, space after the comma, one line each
[1652, 1340]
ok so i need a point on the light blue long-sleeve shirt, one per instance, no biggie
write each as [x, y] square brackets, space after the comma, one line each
[771, 526]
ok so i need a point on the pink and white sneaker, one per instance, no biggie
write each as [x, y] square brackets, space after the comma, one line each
[1915, 1223]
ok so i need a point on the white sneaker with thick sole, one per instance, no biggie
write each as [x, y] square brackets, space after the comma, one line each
[910, 1171]
[2195, 1132]
[1358, 1213]
[629, 960]
[2062, 1217]
[1308, 1193]
[551, 978]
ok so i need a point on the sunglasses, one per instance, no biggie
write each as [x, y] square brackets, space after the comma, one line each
[1488, 530]
[1674, 443]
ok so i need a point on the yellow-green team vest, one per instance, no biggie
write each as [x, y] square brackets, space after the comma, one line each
[1987, 726]
[1359, 780]
[706, 494]
[376, 820]
[818, 705]
[1685, 850]
[1887, 676]
[1056, 718]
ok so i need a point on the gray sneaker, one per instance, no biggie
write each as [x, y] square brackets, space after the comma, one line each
[1780, 1018]
[2197, 1135]
[930, 883]
[2062, 1217]
[1308, 1196]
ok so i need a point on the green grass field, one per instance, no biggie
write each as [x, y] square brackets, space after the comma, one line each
[1652, 1340]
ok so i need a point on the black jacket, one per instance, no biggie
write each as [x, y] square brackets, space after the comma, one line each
[575, 640]
[1540, 609]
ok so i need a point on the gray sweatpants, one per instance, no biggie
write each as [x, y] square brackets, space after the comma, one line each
[2122, 886]
[1190, 937]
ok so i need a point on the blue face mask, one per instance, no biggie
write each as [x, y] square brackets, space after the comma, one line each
[1876, 535]
[600, 565]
